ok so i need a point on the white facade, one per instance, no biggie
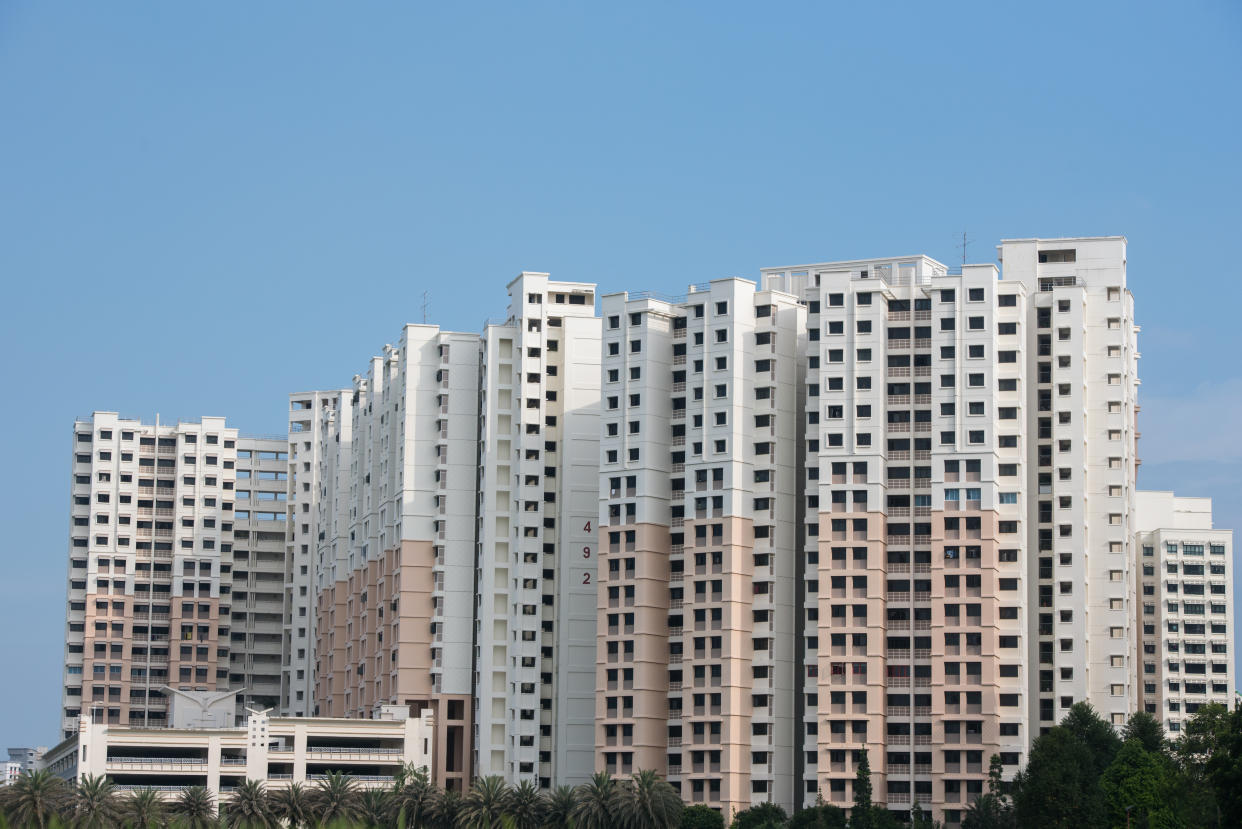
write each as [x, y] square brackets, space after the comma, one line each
[317, 533]
[277, 751]
[22, 760]
[535, 629]
[1081, 350]
[1184, 607]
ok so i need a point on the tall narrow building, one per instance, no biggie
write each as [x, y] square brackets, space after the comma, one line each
[1081, 466]
[318, 532]
[538, 468]
[154, 599]
[443, 507]
[700, 508]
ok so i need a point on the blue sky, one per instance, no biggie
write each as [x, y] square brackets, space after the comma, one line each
[204, 206]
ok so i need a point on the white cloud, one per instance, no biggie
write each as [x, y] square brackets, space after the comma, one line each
[1200, 426]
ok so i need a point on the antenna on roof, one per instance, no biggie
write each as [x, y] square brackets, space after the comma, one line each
[963, 245]
[424, 307]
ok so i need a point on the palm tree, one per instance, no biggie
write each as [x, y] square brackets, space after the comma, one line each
[335, 798]
[375, 807]
[445, 808]
[95, 804]
[292, 805]
[414, 797]
[557, 806]
[144, 809]
[524, 806]
[248, 807]
[649, 802]
[596, 802]
[194, 808]
[483, 807]
[35, 798]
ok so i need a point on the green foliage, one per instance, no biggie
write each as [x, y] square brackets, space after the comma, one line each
[1093, 732]
[194, 809]
[595, 802]
[292, 805]
[861, 814]
[144, 809]
[761, 816]
[1059, 786]
[444, 810]
[95, 803]
[1224, 769]
[1147, 730]
[557, 806]
[647, 801]
[699, 816]
[336, 798]
[484, 805]
[524, 806]
[249, 807]
[1141, 782]
[820, 816]
[36, 798]
[375, 807]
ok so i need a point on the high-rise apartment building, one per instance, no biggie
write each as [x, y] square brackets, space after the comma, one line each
[699, 510]
[953, 536]
[737, 536]
[157, 525]
[976, 475]
[915, 617]
[538, 467]
[1184, 608]
[443, 508]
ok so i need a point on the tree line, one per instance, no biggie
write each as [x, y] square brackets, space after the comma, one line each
[1081, 774]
